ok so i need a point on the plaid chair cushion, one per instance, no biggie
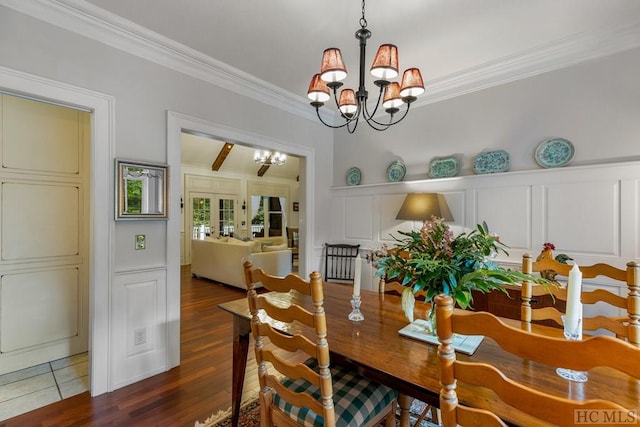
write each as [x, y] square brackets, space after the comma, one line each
[356, 399]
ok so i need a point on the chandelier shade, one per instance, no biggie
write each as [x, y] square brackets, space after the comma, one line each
[412, 85]
[333, 69]
[352, 104]
[347, 102]
[392, 98]
[385, 64]
[318, 90]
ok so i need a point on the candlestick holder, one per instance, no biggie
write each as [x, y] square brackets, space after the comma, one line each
[356, 314]
[570, 374]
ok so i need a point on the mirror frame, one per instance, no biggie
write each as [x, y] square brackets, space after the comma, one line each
[160, 212]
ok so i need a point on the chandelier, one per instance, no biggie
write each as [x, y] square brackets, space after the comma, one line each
[353, 105]
[265, 157]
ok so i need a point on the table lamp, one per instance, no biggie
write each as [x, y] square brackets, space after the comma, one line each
[421, 206]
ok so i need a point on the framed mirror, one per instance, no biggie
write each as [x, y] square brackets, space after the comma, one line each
[141, 190]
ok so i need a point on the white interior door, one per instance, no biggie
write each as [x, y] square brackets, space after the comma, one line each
[44, 237]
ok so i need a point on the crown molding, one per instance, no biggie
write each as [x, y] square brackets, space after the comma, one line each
[95, 23]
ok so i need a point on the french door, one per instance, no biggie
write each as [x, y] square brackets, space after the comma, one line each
[212, 214]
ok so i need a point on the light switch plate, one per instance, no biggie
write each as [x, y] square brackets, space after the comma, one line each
[141, 242]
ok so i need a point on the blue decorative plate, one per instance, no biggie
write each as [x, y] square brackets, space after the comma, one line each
[491, 162]
[443, 167]
[396, 171]
[353, 176]
[554, 152]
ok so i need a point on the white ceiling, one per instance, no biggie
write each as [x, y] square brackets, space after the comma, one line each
[455, 43]
[281, 41]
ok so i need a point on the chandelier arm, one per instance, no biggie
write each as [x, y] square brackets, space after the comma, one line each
[369, 116]
[349, 129]
[330, 125]
[391, 122]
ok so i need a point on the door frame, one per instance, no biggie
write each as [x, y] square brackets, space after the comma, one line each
[176, 124]
[101, 231]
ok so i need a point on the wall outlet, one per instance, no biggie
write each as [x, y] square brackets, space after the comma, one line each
[140, 336]
[141, 242]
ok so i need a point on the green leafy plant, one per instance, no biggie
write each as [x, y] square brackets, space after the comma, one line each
[435, 261]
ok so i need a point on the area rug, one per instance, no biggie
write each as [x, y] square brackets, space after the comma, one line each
[250, 416]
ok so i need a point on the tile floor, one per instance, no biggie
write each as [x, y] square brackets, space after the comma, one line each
[25, 390]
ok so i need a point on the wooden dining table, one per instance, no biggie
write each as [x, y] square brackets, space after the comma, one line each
[375, 349]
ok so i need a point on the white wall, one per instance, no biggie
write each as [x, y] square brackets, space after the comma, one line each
[143, 93]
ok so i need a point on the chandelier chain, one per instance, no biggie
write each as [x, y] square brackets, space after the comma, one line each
[363, 21]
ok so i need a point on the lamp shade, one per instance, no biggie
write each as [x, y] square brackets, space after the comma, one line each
[347, 101]
[392, 97]
[421, 206]
[385, 64]
[412, 84]
[332, 69]
[318, 90]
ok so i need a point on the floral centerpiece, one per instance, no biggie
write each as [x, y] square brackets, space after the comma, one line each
[435, 261]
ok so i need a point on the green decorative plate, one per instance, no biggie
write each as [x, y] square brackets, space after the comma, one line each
[491, 162]
[443, 167]
[554, 153]
[353, 176]
[396, 171]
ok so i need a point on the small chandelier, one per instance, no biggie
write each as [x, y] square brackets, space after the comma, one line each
[268, 158]
[352, 105]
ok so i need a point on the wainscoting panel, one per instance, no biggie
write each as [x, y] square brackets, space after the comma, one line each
[139, 326]
[389, 225]
[507, 213]
[359, 226]
[584, 217]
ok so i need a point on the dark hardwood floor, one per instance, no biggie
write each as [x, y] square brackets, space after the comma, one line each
[200, 386]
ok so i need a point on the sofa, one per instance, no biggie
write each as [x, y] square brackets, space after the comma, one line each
[222, 259]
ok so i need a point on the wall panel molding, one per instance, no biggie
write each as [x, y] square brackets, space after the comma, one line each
[588, 212]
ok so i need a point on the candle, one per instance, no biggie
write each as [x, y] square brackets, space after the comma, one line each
[356, 276]
[574, 306]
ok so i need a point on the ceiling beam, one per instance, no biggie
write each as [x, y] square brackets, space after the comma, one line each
[222, 155]
[263, 169]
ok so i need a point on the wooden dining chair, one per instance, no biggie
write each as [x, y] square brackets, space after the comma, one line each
[339, 261]
[310, 390]
[430, 412]
[625, 327]
[581, 355]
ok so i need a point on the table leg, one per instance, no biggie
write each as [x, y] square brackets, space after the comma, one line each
[404, 402]
[241, 331]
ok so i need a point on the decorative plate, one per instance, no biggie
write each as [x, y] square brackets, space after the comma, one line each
[443, 167]
[554, 152]
[353, 176]
[396, 171]
[491, 162]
